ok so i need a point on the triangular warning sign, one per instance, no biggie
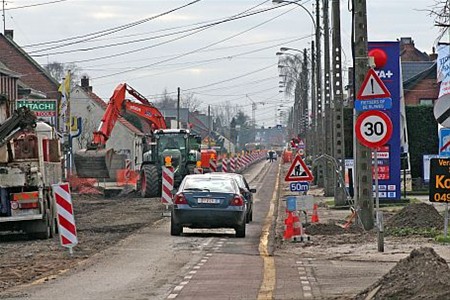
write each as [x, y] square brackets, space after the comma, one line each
[372, 87]
[298, 171]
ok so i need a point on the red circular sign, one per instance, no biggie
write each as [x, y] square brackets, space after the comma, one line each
[373, 128]
[380, 57]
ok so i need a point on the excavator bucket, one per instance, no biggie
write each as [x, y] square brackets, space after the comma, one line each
[93, 163]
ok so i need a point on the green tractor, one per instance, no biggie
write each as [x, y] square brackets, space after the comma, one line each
[181, 146]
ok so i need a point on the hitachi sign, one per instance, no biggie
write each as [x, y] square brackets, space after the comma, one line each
[38, 105]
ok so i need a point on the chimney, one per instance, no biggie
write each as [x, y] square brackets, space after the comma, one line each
[9, 33]
[85, 84]
[433, 55]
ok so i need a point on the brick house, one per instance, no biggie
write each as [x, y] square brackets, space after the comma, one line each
[33, 81]
[419, 74]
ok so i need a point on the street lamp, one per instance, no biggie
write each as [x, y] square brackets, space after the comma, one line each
[300, 5]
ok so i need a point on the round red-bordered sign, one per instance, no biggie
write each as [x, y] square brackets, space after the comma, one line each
[373, 128]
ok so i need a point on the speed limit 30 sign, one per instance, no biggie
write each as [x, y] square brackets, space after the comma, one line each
[373, 128]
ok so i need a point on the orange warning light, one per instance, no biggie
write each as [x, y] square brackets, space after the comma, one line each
[199, 164]
[213, 155]
[168, 161]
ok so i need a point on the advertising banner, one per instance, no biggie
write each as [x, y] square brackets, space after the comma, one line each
[389, 157]
[443, 68]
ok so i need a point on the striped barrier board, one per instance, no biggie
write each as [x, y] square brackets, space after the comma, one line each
[232, 164]
[127, 169]
[167, 185]
[66, 220]
[213, 165]
[225, 165]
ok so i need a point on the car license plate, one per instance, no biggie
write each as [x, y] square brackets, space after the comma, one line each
[208, 201]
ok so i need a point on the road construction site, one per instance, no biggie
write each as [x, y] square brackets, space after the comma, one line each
[336, 263]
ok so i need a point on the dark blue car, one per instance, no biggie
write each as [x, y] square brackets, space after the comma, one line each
[205, 201]
[245, 191]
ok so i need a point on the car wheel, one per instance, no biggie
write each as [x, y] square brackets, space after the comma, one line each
[240, 231]
[175, 229]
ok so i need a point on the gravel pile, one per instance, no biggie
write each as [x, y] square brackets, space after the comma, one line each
[418, 215]
[421, 275]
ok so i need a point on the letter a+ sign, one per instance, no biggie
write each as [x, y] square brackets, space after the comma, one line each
[298, 171]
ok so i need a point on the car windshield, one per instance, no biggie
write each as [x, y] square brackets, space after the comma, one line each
[210, 184]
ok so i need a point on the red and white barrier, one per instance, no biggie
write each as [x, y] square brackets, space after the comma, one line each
[232, 164]
[65, 216]
[213, 164]
[167, 185]
[198, 170]
[127, 169]
[225, 165]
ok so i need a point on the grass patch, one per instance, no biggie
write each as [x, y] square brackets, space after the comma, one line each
[442, 239]
[408, 231]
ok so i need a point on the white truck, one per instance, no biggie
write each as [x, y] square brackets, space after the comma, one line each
[30, 162]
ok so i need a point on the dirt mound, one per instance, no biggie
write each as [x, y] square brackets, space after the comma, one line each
[421, 275]
[419, 215]
[329, 229]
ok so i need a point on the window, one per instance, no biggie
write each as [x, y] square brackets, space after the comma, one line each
[426, 102]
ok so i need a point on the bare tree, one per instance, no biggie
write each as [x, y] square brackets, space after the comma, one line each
[440, 10]
[225, 112]
[190, 102]
[167, 101]
[59, 70]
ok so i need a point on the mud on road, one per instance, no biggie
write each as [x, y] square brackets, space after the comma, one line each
[100, 223]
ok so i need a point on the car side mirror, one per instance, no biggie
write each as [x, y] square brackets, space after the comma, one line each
[252, 191]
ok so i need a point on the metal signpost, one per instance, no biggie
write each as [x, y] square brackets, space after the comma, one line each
[373, 129]
[298, 177]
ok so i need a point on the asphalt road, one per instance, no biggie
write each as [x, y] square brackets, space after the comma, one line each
[201, 264]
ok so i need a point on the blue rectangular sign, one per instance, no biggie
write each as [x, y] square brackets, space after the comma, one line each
[302, 186]
[389, 73]
[444, 138]
[373, 104]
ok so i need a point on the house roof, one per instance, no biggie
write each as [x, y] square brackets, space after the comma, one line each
[5, 70]
[412, 68]
[30, 59]
[122, 120]
[430, 72]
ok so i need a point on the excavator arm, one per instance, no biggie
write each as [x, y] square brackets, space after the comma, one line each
[117, 105]
[20, 119]
[95, 161]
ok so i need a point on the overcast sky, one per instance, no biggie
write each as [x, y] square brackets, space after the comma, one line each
[233, 61]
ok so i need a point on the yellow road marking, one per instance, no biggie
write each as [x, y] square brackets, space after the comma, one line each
[268, 284]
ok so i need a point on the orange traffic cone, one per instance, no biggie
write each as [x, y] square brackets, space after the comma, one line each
[297, 227]
[289, 228]
[315, 216]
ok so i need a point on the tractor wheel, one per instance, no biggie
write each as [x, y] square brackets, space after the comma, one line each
[150, 181]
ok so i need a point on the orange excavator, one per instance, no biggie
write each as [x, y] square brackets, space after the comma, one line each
[95, 160]
[178, 144]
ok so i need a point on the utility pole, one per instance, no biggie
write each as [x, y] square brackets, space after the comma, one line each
[4, 16]
[319, 133]
[328, 120]
[178, 109]
[363, 155]
[209, 126]
[313, 131]
[338, 133]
